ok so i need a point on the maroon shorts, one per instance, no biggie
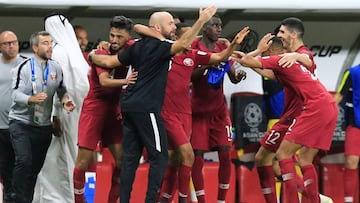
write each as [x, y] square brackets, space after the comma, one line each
[352, 139]
[273, 137]
[314, 127]
[211, 131]
[102, 125]
[178, 128]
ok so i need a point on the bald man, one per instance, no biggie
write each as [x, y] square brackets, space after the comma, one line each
[142, 102]
[10, 59]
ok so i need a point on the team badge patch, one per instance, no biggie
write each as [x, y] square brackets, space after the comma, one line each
[12, 71]
[53, 76]
[188, 62]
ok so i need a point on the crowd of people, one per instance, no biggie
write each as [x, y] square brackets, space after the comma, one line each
[164, 93]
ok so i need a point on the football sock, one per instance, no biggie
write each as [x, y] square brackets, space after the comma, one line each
[79, 184]
[224, 174]
[267, 182]
[351, 178]
[288, 174]
[198, 179]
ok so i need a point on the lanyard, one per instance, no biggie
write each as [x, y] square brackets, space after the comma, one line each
[45, 76]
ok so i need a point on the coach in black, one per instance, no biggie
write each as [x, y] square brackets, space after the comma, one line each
[142, 102]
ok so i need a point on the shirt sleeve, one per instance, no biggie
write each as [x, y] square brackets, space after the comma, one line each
[20, 81]
[311, 57]
[345, 83]
[307, 52]
[99, 69]
[165, 49]
[270, 62]
[125, 56]
[201, 57]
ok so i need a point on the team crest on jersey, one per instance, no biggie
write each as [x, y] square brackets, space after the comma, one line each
[53, 76]
[188, 62]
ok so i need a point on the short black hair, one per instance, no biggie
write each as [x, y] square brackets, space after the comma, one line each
[276, 43]
[121, 22]
[181, 19]
[294, 25]
[179, 26]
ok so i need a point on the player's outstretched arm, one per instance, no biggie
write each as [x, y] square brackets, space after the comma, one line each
[187, 38]
[144, 30]
[252, 62]
[225, 54]
[106, 61]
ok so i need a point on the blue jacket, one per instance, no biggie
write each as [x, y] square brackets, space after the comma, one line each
[355, 78]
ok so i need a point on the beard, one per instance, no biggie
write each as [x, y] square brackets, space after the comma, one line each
[168, 35]
[44, 56]
[115, 49]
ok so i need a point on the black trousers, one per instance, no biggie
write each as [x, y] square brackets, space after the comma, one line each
[143, 130]
[30, 145]
[7, 159]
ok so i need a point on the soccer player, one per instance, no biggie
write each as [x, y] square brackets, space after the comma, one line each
[349, 91]
[100, 117]
[142, 102]
[176, 112]
[291, 32]
[211, 127]
[311, 130]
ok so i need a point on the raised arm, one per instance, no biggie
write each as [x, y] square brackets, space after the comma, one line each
[246, 60]
[263, 45]
[265, 73]
[288, 59]
[146, 31]
[106, 61]
[252, 62]
[187, 38]
[225, 54]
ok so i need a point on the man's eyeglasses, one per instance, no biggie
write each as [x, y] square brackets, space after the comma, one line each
[9, 43]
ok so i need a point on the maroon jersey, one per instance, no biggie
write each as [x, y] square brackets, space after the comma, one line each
[100, 117]
[99, 95]
[291, 103]
[177, 94]
[314, 125]
[299, 80]
[205, 98]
